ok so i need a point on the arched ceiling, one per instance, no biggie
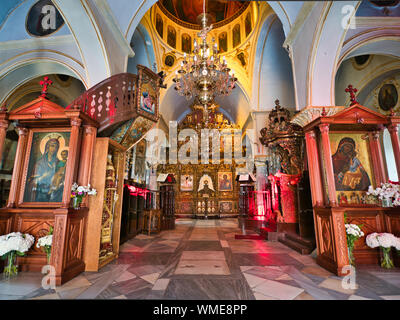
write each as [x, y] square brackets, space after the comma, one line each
[235, 107]
[390, 47]
[7, 6]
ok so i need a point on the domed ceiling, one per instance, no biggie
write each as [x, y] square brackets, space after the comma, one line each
[187, 11]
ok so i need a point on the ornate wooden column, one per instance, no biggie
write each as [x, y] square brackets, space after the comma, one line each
[87, 151]
[314, 169]
[377, 159]
[4, 123]
[394, 137]
[326, 149]
[16, 175]
[72, 152]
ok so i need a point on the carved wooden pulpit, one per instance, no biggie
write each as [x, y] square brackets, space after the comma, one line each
[286, 140]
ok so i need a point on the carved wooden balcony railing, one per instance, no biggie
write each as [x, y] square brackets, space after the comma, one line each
[118, 99]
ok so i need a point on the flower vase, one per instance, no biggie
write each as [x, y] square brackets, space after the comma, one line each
[386, 203]
[10, 269]
[351, 256]
[386, 259]
[48, 256]
[76, 202]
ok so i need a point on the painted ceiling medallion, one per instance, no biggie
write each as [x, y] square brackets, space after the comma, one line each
[43, 19]
[186, 12]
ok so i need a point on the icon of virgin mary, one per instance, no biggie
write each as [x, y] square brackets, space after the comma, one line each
[349, 173]
[42, 175]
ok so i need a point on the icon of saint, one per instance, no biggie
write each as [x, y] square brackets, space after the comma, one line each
[349, 172]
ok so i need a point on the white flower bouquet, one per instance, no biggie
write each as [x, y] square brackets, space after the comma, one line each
[12, 245]
[45, 243]
[385, 241]
[79, 192]
[388, 193]
[353, 233]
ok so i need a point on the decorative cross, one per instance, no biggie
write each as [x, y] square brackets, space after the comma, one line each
[45, 83]
[352, 92]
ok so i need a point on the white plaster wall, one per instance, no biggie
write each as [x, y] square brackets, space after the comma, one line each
[142, 45]
[272, 77]
[388, 153]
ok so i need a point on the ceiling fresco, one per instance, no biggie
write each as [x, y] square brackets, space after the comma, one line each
[188, 11]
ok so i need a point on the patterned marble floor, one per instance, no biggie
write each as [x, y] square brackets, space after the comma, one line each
[202, 260]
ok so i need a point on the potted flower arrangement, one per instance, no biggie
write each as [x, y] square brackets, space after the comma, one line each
[353, 233]
[45, 243]
[12, 245]
[79, 192]
[385, 241]
[388, 193]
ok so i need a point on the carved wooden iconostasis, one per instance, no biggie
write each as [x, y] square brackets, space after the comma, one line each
[205, 190]
[84, 143]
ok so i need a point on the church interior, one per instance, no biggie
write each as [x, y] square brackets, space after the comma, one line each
[199, 149]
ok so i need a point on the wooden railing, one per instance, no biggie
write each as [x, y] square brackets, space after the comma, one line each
[111, 101]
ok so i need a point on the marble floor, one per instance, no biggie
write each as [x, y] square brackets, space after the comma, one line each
[202, 260]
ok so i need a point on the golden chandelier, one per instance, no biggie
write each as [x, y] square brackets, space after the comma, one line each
[203, 75]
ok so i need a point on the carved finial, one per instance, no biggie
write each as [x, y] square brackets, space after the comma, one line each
[45, 83]
[352, 92]
[324, 113]
[392, 113]
[3, 108]
[277, 106]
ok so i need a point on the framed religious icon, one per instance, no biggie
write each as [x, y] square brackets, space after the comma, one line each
[45, 167]
[148, 93]
[387, 96]
[186, 182]
[225, 181]
[352, 167]
[226, 206]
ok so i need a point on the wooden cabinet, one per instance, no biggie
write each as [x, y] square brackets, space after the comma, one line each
[167, 205]
[246, 200]
[152, 221]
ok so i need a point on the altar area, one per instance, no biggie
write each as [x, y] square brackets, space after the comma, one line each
[206, 189]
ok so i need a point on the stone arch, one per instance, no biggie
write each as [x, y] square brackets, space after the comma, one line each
[270, 73]
[26, 70]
